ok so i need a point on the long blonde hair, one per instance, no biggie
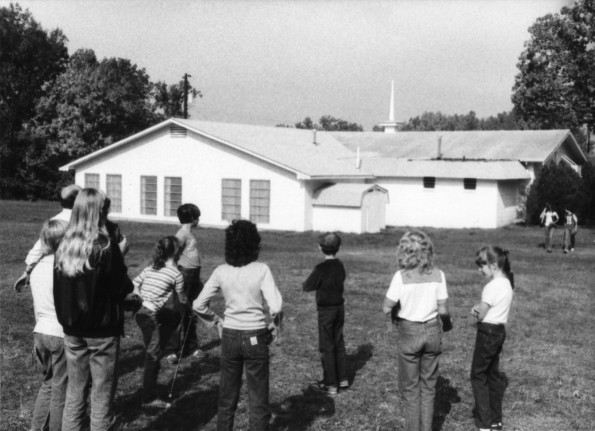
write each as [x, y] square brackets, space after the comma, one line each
[416, 251]
[87, 222]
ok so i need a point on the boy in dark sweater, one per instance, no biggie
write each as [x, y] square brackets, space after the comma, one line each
[327, 280]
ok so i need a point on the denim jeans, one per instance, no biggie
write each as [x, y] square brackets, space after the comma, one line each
[486, 381]
[157, 327]
[49, 404]
[549, 236]
[420, 346]
[192, 288]
[241, 349]
[91, 360]
[569, 237]
[331, 344]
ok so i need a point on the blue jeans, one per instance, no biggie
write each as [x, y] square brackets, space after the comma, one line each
[49, 404]
[192, 288]
[549, 236]
[332, 345]
[569, 237]
[91, 360]
[486, 381]
[241, 349]
[420, 346]
[157, 327]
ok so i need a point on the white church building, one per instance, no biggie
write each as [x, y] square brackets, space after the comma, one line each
[300, 180]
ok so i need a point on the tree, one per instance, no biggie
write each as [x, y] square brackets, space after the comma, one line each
[169, 99]
[90, 105]
[329, 123]
[93, 104]
[555, 87]
[30, 59]
[561, 187]
[434, 121]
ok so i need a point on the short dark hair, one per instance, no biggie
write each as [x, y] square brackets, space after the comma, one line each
[242, 243]
[68, 195]
[187, 213]
[329, 243]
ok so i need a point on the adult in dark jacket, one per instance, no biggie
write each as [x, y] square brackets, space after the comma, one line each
[90, 284]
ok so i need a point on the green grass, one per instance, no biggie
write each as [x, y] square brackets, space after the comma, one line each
[548, 355]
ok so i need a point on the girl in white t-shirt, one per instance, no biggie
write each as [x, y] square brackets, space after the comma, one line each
[418, 291]
[491, 314]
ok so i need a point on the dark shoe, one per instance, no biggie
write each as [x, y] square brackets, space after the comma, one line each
[323, 389]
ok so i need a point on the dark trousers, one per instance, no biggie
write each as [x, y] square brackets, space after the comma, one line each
[243, 349]
[331, 344]
[486, 381]
[157, 327]
[192, 288]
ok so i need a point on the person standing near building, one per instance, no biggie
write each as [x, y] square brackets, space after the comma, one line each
[570, 229]
[549, 218]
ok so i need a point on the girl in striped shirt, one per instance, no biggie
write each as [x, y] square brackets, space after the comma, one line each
[155, 285]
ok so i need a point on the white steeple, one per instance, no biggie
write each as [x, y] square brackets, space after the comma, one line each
[390, 126]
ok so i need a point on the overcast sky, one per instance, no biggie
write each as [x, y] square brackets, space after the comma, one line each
[268, 62]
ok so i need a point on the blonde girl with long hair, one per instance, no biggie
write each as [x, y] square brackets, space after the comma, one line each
[90, 284]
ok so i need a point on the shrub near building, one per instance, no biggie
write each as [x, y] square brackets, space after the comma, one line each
[563, 188]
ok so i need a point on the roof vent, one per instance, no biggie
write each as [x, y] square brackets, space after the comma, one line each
[177, 132]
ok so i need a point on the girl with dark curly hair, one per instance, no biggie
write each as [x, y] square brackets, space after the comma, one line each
[245, 284]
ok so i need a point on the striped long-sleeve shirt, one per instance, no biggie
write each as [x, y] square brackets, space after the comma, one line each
[155, 286]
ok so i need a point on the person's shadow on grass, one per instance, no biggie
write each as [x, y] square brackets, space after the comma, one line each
[446, 396]
[357, 360]
[184, 399]
[297, 412]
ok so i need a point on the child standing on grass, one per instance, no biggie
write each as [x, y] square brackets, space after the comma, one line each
[549, 218]
[327, 280]
[418, 289]
[189, 264]
[155, 285]
[246, 285]
[570, 229]
[48, 334]
[491, 314]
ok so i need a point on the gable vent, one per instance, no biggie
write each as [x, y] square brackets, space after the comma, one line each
[178, 132]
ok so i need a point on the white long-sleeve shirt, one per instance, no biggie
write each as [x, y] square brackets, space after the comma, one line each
[42, 289]
[36, 253]
[245, 289]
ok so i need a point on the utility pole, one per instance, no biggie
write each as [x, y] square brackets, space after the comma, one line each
[186, 76]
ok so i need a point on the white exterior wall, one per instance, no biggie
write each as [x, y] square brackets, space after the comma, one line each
[202, 164]
[508, 193]
[344, 219]
[447, 205]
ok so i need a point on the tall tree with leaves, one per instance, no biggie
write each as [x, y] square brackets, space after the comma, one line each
[170, 98]
[555, 87]
[93, 104]
[90, 105]
[30, 59]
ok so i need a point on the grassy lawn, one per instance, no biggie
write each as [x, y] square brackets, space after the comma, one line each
[548, 356]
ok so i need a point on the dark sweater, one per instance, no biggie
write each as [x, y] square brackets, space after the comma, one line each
[327, 280]
[90, 304]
